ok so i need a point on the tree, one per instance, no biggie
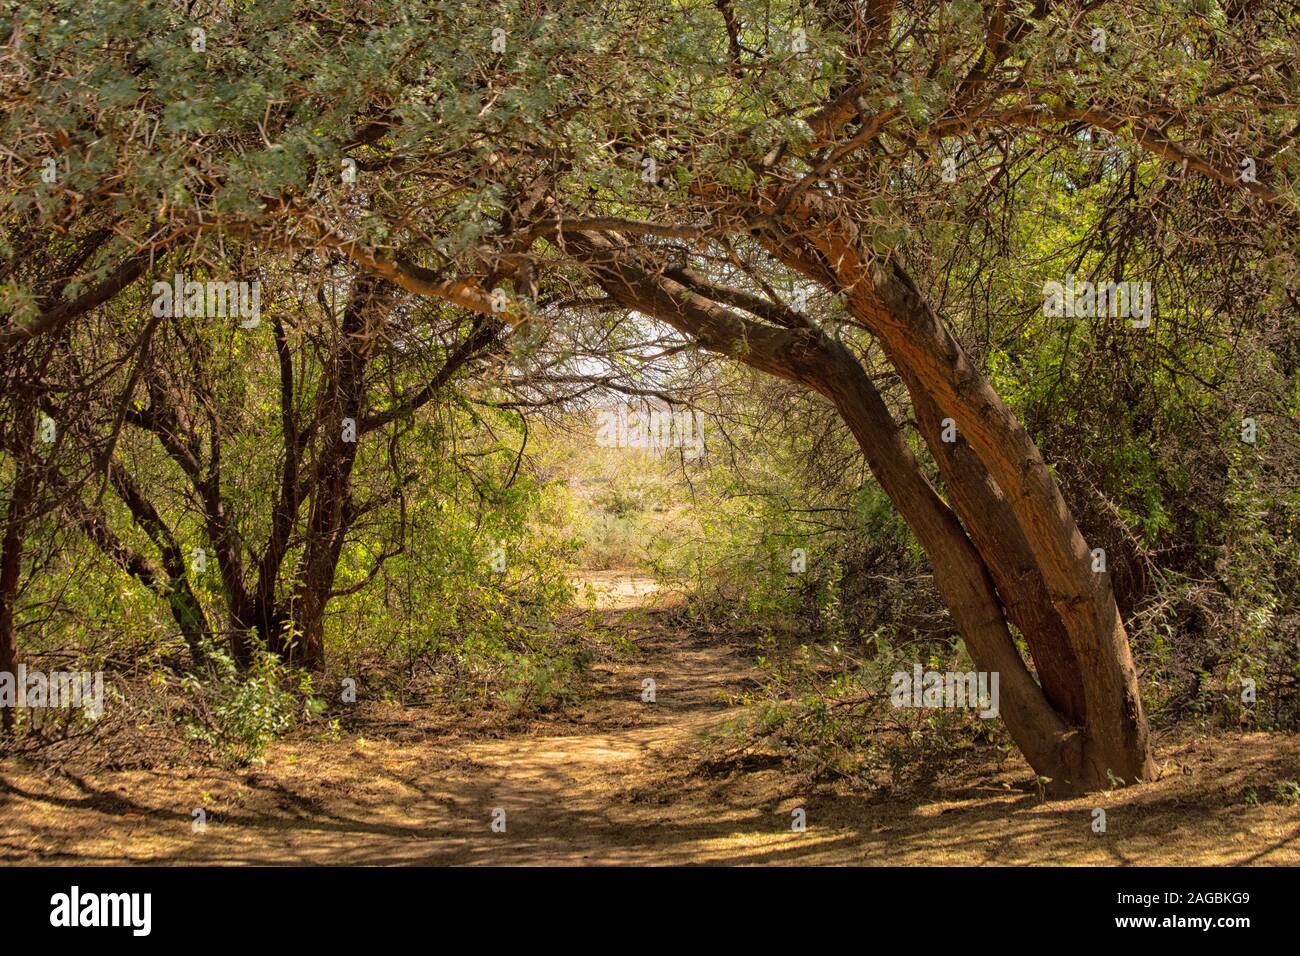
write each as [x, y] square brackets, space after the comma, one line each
[687, 160]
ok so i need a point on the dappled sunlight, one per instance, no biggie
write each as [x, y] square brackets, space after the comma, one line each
[620, 795]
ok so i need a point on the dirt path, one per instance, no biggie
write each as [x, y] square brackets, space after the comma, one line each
[621, 781]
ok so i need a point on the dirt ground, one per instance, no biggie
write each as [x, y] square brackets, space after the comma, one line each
[619, 781]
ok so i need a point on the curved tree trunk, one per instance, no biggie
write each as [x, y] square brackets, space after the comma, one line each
[959, 573]
[168, 582]
[1115, 744]
[1008, 498]
[1084, 728]
[993, 529]
[808, 357]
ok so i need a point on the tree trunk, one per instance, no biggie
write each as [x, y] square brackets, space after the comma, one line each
[173, 585]
[997, 536]
[19, 510]
[808, 357]
[1021, 533]
[960, 573]
[1115, 745]
[331, 507]
[170, 583]
[10, 573]
[1080, 620]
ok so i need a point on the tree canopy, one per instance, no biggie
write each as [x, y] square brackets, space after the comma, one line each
[462, 216]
